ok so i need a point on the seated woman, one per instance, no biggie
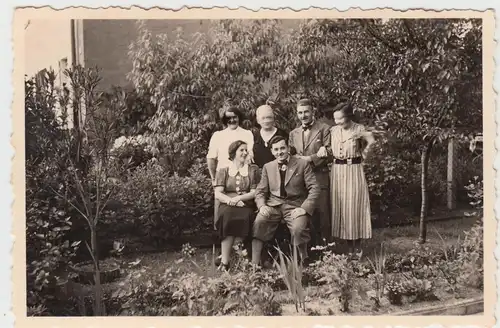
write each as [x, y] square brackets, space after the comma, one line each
[234, 189]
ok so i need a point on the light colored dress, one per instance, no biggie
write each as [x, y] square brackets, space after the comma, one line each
[351, 217]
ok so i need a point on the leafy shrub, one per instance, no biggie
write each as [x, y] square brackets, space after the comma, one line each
[420, 290]
[174, 293]
[49, 219]
[337, 274]
[471, 256]
[475, 192]
[162, 206]
[394, 290]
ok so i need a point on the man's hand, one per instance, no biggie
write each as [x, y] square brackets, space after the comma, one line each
[322, 152]
[265, 210]
[299, 211]
[249, 159]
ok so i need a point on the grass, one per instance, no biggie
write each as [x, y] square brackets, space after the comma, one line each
[398, 240]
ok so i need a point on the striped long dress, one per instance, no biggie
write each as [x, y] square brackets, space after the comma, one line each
[351, 218]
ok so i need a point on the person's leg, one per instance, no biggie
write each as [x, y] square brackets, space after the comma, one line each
[257, 246]
[323, 224]
[226, 246]
[263, 230]
[299, 230]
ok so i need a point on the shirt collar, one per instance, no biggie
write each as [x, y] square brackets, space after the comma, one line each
[235, 130]
[233, 170]
[309, 126]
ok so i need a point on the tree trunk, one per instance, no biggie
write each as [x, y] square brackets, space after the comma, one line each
[451, 186]
[424, 205]
[98, 310]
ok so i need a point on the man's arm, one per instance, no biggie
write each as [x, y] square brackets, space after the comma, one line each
[313, 190]
[262, 190]
[325, 142]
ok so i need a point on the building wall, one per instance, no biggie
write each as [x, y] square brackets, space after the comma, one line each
[47, 43]
[106, 44]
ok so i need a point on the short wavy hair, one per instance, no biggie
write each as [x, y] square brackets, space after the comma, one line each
[233, 148]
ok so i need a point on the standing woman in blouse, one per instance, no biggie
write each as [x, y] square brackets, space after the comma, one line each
[217, 156]
[235, 190]
[350, 142]
[266, 120]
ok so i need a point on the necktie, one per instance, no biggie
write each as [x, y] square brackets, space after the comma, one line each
[282, 178]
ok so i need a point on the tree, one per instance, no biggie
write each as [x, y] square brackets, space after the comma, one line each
[427, 75]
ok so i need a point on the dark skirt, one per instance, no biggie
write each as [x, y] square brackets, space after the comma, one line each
[235, 221]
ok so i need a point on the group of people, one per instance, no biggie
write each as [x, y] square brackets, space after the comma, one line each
[311, 179]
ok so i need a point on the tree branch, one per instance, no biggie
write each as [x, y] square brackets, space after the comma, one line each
[378, 37]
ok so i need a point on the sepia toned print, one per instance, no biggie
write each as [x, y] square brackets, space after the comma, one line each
[181, 165]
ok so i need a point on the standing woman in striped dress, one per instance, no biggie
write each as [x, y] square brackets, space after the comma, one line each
[350, 141]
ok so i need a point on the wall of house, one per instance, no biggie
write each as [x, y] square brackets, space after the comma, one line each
[106, 44]
[47, 43]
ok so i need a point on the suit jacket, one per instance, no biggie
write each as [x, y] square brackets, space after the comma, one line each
[300, 184]
[319, 136]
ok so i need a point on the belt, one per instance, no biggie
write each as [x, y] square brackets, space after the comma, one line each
[322, 169]
[348, 161]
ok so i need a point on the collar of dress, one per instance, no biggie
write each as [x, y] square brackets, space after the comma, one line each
[243, 171]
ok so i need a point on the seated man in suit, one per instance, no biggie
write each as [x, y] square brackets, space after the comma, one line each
[287, 191]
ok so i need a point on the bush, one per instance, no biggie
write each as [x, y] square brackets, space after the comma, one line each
[187, 294]
[162, 206]
[49, 219]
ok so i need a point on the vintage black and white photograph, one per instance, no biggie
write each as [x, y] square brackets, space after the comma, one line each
[254, 167]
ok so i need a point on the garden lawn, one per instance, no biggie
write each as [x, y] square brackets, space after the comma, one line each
[397, 240]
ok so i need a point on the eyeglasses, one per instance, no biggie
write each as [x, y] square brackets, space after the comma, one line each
[232, 117]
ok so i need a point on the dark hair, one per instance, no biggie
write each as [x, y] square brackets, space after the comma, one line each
[304, 102]
[233, 148]
[346, 108]
[276, 139]
[234, 110]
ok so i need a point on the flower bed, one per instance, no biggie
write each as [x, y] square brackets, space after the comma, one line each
[383, 282]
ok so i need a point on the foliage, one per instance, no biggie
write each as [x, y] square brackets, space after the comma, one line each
[395, 290]
[471, 257]
[420, 290]
[475, 192]
[379, 277]
[291, 272]
[49, 219]
[173, 293]
[162, 206]
[337, 274]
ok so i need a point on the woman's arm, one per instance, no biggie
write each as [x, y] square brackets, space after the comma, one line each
[220, 196]
[248, 196]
